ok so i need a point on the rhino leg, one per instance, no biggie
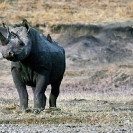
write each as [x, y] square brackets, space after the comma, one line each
[39, 96]
[54, 92]
[22, 91]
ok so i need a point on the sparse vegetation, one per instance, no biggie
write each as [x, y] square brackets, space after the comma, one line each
[94, 95]
[91, 96]
[66, 12]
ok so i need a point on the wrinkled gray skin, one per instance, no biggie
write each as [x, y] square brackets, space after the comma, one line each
[35, 62]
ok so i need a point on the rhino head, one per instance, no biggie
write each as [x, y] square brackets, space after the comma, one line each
[17, 45]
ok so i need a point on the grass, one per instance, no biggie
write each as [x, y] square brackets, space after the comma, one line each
[94, 112]
[66, 12]
[3, 5]
[101, 95]
[82, 100]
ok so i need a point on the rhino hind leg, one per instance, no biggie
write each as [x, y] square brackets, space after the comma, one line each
[55, 90]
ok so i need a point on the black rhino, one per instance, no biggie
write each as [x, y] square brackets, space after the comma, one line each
[36, 62]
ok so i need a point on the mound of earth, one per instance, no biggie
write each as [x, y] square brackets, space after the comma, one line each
[97, 44]
[84, 48]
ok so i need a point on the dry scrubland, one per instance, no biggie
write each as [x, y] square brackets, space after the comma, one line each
[66, 11]
[99, 95]
[92, 96]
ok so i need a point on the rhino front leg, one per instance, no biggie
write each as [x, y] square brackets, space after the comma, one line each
[21, 88]
[54, 92]
[39, 96]
[23, 97]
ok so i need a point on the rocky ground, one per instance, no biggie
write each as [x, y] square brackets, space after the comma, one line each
[81, 111]
[99, 116]
[65, 128]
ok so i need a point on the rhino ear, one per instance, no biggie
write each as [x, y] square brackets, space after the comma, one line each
[5, 26]
[26, 24]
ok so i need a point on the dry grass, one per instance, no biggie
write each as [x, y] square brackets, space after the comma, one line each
[3, 5]
[88, 96]
[112, 80]
[58, 12]
[92, 96]
[77, 111]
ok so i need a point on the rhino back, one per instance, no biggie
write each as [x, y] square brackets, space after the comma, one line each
[57, 54]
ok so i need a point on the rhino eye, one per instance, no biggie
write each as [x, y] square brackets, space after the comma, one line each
[14, 34]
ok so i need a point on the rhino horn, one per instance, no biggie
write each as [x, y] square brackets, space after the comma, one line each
[4, 41]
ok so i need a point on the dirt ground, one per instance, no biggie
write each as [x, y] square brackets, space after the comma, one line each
[80, 112]
[85, 106]
[94, 98]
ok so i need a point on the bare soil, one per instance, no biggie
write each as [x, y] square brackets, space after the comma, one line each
[98, 105]
[95, 96]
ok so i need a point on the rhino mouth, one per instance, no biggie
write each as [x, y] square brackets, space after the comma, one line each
[11, 58]
[16, 57]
